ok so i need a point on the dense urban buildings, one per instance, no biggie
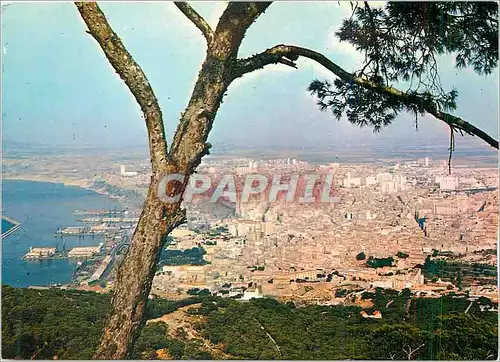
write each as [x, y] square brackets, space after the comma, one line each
[376, 225]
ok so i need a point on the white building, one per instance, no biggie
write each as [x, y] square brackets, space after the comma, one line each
[387, 187]
[84, 251]
[384, 176]
[469, 182]
[38, 253]
[447, 182]
[249, 294]
[371, 180]
[235, 291]
[126, 173]
[353, 181]
[397, 184]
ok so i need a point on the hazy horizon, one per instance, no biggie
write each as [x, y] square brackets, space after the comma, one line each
[58, 88]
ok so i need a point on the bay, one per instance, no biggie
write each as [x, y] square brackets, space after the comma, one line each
[42, 208]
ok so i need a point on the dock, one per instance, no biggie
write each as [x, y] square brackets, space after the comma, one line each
[78, 252]
[107, 213]
[73, 230]
[110, 220]
[81, 231]
[84, 251]
[100, 271]
[40, 253]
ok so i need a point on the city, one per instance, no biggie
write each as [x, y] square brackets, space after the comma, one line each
[250, 180]
[412, 212]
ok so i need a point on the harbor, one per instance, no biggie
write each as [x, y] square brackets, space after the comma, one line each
[95, 263]
[80, 231]
[39, 253]
[110, 220]
[104, 213]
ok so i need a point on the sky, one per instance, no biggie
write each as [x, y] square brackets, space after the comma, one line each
[58, 88]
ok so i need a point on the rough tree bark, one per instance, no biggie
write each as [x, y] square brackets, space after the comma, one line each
[220, 67]
[158, 219]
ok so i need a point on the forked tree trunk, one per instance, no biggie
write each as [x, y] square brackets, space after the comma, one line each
[135, 275]
[158, 219]
[220, 68]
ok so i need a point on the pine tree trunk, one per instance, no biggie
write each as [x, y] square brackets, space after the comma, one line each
[135, 275]
[134, 278]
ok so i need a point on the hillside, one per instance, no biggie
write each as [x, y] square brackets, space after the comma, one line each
[47, 324]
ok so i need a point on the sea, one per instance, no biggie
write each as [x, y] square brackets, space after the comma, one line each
[6, 226]
[42, 208]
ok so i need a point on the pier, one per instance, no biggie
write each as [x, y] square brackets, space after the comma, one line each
[40, 253]
[78, 252]
[104, 213]
[84, 251]
[95, 263]
[109, 220]
[81, 231]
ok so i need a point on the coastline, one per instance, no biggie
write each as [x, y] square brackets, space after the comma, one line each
[43, 207]
[86, 185]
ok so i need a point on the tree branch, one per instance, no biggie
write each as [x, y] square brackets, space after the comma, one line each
[235, 20]
[131, 73]
[189, 144]
[197, 20]
[275, 54]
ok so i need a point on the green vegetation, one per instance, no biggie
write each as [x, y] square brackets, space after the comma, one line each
[401, 43]
[158, 307]
[46, 323]
[341, 293]
[42, 324]
[337, 332]
[218, 231]
[361, 256]
[255, 267]
[402, 255]
[379, 262]
[154, 336]
[445, 253]
[198, 291]
[193, 256]
[459, 272]
[222, 229]
[486, 252]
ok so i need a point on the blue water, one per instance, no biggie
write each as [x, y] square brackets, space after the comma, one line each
[41, 208]
[6, 226]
